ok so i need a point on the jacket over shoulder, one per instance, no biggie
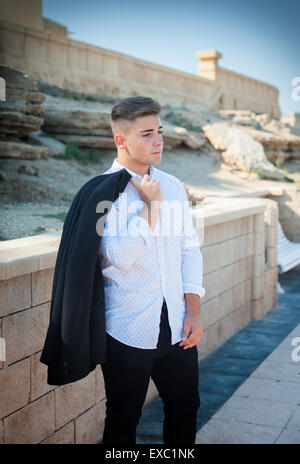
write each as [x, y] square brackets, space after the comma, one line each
[76, 338]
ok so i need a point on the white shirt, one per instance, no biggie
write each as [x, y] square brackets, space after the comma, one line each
[142, 267]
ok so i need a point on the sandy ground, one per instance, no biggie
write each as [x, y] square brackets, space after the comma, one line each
[27, 200]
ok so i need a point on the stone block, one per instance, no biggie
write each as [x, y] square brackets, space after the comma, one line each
[259, 243]
[15, 387]
[294, 422]
[271, 236]
[15, 294]
[31, 424]
[226, 431]
[258, 265]
[248, 289]
[42, 286]
[89, 426]
[257, 308]
[250, 224]
[209, 312]
[256, 410]
[212, 258]
[39, 385]
[259, 223]
[225, 304]
[202, 347]
[233, 228]
[270, 389]
[289, 437]
[257, 287]
[249, 245]
[213, 234]
[238, 295]
[25, 332]
[73, 399]
[268, 299]
[225, 328]
[272, 257]
[212, 285]
[63, 436]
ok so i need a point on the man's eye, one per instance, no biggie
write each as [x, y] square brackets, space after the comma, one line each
[161, 133]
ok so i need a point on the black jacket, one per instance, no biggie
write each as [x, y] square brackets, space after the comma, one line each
[76, 337]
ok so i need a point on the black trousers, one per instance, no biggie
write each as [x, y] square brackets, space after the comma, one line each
[127, 373]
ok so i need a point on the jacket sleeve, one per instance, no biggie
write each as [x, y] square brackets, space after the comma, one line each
[191, 256]
[124, 239]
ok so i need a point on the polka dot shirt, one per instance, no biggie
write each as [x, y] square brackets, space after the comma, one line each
[142, 268]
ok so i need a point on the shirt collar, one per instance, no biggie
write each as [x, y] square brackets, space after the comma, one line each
[117, 166]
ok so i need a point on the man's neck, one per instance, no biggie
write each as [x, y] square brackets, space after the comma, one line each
[141, 171]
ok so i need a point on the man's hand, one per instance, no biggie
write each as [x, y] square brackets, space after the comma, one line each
[192, 331]
[149, 189]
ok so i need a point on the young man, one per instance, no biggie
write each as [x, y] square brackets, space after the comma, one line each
[153, 285]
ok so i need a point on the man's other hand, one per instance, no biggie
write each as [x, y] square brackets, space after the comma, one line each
[192, 331]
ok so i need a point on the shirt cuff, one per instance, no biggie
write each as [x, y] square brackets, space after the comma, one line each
[139, 226]
[189, 288]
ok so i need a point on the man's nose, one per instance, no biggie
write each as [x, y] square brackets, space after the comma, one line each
[158, 140]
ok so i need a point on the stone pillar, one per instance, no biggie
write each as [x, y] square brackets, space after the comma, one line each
[208, 63]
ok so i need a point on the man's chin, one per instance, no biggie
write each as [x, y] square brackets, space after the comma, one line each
[155, 159]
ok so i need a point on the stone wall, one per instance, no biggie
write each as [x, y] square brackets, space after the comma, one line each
[237, 91]
[42, 49]
[288, 200]
[58, 60]
[240, 286]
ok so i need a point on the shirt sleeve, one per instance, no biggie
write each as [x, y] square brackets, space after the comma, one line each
[191, 256]
[122, 241]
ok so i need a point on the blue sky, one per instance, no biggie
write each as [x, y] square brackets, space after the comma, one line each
[257, 38]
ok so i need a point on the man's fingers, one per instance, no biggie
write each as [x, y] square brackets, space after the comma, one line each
[135, 182]
[192, 340]
[186, 332]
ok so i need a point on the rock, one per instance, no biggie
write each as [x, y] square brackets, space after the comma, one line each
[240, 149]
[269, 140]
[228, 114]
[19, 124]
[3, 177]
[20, 113]
[17, 150]
[193, 193]
[173, 136]
[263, 118]
[192, 139]
[191, 120]
[226, 167]
[90, 141]
[241, 117]
[64, 116]
[217, 134]
[55, 147]
[244, 121]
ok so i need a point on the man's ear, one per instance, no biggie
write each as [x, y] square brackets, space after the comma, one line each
[120, 140]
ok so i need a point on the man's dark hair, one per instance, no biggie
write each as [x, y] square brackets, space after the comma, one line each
[131, 108]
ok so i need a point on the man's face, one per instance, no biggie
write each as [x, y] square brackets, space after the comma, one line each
[143, 143]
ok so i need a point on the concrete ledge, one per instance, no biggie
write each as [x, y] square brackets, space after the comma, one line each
[223, 210]
[28, 254]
